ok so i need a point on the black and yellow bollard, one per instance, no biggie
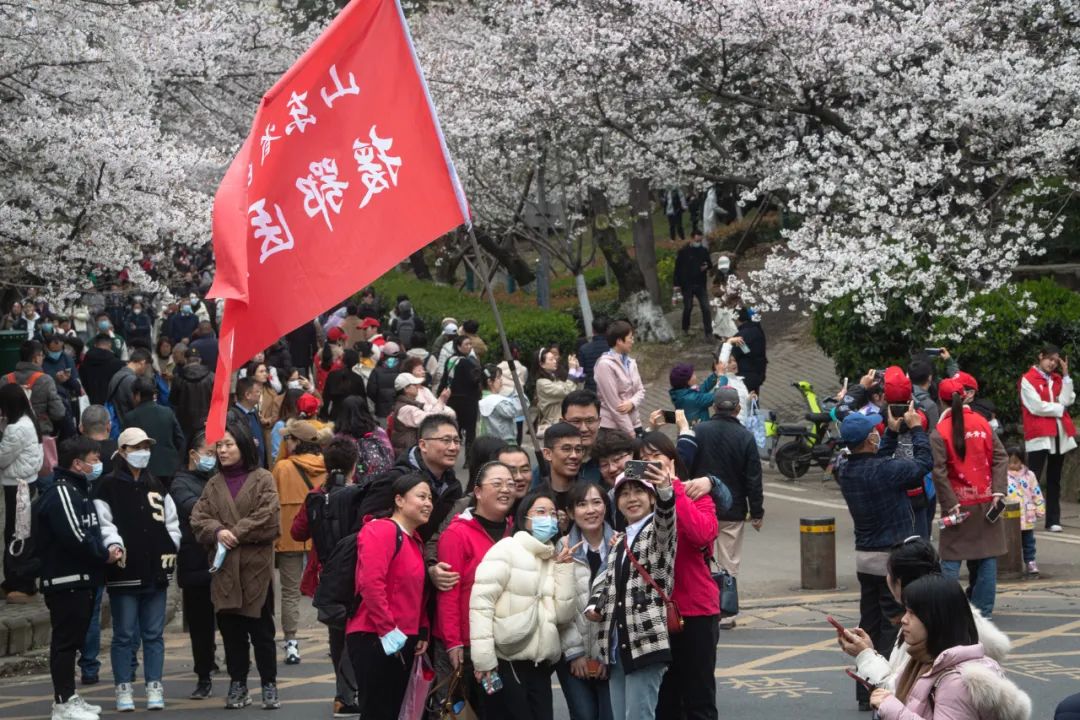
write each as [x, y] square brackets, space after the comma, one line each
[817, 550]
[1011, 564]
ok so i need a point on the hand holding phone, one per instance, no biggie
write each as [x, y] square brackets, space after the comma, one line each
[994, 513]
[862, 681]
[669, 416]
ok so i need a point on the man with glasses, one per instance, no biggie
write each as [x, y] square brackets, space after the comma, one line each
[521, 470]
[875, 485]
[434, 456]
[564, 453]
[581, 409]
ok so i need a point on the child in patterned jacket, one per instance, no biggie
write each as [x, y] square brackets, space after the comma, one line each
[1024, 489]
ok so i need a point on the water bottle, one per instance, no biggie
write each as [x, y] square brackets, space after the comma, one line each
[948, 521]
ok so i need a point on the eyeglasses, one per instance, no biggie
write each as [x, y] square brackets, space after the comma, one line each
[445, 439]
[572, 449]
[579, 422]
[502, 485]
[542, 512]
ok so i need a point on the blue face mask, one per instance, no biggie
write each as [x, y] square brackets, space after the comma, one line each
[206, 463]
[391, 362]
[544, 528]
[54, 354]
[185, 309]
[103, 325]
[95, 472]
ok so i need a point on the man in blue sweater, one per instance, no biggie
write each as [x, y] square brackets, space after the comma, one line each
[875, 485]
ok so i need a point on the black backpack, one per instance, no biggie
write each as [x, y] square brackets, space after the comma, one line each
[335, 597]
[332, 514]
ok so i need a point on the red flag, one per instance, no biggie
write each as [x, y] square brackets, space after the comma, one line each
[345, 174]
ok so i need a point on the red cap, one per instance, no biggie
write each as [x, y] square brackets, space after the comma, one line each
[950, 386]
[897, 385]
[307, 404]
[334, 334]
[368, 322]
[968, 381]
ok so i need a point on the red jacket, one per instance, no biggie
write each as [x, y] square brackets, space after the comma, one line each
[463, 545]
[302, 533]
[970, 478]
[392, 587]
[1037, 426]
[696, 527]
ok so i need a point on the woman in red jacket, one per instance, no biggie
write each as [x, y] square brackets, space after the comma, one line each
[390, 626]
[689, 686]
[462, 546]
[1046, 392]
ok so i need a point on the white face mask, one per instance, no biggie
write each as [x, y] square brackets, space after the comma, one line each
[138, 459]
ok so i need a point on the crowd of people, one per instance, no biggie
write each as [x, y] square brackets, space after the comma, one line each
[602, 557]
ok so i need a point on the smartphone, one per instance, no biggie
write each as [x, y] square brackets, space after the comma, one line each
[862, 681]
[898, 409]
[932, 352]
[635, 469]
[669, 416]
[994, 512]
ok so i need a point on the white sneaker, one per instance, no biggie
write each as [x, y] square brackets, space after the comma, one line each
[155, 696]
[125, 699]
[1054, 528]
[292, 652]
[71, 710]
[81, 702]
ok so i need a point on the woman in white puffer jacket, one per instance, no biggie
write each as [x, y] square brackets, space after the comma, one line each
[20, 460]
[907, 563]
[521, 614]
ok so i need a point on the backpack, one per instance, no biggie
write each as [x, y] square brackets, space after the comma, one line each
[28, 388]
[373, 458]
[335, 597]
[332, 514]
[405, 329]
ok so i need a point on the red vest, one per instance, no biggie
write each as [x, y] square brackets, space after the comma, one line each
[1037, 426]
[970, 478]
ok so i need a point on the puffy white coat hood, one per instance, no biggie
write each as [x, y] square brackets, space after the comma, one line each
[522, 603]
[20, 453]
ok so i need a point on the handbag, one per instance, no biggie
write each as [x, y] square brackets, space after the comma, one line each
[449, 708]
[728, 586]
[49, 457]
[674, 617]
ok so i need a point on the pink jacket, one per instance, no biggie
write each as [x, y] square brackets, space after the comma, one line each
[963, 684]
[391, 585]
[615, 384]
[695, 592]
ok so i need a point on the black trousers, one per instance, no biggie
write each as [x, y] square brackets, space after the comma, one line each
[15, 577]
[242, 634]
[202, 627]
[675, 225]
[1051, 485]
[382, 678]
[688, 296]
[877, 609]
[69, 613]
[689, 686]
[343, 669]
[526, 693]
[468, 412]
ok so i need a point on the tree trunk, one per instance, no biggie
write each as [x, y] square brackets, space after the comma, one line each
[644, 241]
[420, 266]
[543, 276]
[583, 300]
[626, 271]
[640, 309]
[506, 255]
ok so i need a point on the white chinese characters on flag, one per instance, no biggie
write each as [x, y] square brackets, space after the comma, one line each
[343, 175]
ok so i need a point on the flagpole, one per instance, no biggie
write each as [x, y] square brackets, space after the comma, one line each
[483, 267]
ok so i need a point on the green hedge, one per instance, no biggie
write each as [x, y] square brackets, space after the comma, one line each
[997, 352]
[530, 328]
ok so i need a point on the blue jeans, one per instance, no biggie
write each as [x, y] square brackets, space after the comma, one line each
[1027, 539]
[586, 699]
[982, 581]
[633, 696]
[88, 657]
[135, 615]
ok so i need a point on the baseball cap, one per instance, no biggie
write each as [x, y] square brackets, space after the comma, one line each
[622, 480]
[368, 323]
[857, 427]
[405, 379]
[897, 385]
[334, 334]
[950, 386]
[133, 436]
[307, 404]
[726, 398]
[968, 381]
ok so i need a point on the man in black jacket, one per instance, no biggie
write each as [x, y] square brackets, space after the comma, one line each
[752, 360]
[727, 450]
[691, 277]
[433, 457]
[160, 425]
[97, 369]
[192, 386]
[73, 557]
[589, 352]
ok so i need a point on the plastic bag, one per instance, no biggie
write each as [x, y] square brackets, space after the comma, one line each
[756, 424]
[413, 704]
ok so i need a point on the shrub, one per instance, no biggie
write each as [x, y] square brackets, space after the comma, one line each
[531, 328]
[1017, 320]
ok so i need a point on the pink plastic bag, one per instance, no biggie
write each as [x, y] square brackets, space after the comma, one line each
[415, 700]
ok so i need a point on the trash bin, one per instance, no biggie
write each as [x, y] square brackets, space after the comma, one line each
[10, 341]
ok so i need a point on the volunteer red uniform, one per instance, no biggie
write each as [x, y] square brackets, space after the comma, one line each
[462, 545]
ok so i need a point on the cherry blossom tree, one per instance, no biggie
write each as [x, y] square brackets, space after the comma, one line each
[924, 148]
[118, 119]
